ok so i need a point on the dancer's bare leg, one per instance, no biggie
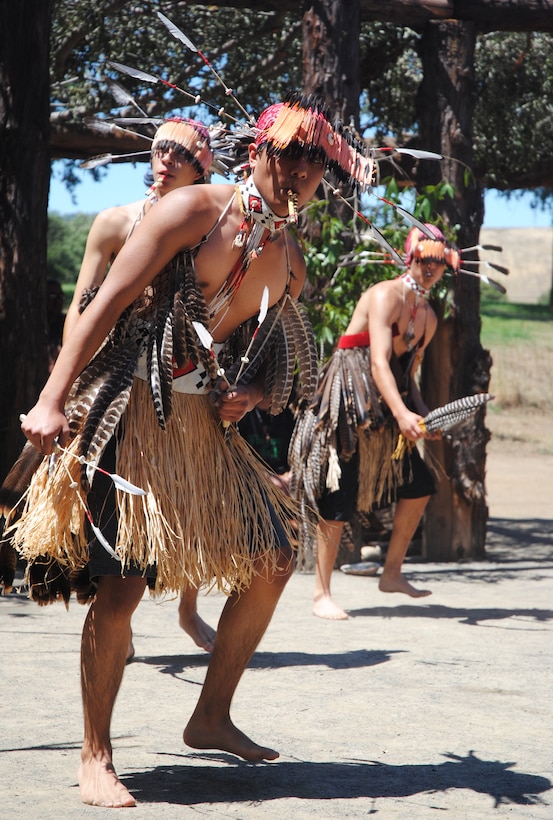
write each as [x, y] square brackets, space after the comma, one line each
[103, 653]
[243, 622]
[201, 633]
[329, 534]
[406, 519]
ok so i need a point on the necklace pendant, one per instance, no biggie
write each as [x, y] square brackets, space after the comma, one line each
[240, 239]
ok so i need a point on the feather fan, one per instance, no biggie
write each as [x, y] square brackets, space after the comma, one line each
[447, 416]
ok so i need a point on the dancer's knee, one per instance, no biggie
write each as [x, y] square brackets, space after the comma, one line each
[120, 595]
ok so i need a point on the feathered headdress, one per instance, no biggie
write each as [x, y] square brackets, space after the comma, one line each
[420, 247]
[301, 127]
[189, 138]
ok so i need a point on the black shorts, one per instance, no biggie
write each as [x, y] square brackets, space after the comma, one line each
[341, 505]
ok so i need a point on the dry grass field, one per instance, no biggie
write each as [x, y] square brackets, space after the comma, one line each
[521, 415]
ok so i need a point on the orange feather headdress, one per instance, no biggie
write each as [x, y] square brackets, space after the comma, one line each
[418, 246]
[300, 127]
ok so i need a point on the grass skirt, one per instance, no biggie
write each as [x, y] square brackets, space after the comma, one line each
[204, 520]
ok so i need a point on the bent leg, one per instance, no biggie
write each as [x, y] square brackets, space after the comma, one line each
[201, 633]
[243, 622]
[329, 534]
[406, 519]
[103, 653]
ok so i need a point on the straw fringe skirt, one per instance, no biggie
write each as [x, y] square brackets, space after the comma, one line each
[204, 520]
[379, 474]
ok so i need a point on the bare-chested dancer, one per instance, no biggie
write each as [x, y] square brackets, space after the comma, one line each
[389, 329]
[178, 159]
[214, 230]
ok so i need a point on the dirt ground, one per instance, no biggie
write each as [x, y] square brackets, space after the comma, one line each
[519, 464]
[406, 710]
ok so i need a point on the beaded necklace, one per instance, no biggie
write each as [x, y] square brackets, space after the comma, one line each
[257, 218]
[419, 291]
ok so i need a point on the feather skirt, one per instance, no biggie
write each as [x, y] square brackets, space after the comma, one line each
[204, 520]
[346, 415]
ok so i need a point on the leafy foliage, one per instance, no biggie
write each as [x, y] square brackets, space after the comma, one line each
[259, 54]
[513, 126]
[66, 243]
[88, 33]
[390, 75]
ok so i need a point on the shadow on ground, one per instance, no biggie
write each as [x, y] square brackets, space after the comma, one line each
[253, 782]
[362, 658]
[526, 539]
[472, 617]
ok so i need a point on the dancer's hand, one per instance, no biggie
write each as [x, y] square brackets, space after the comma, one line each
[43, 425]
[409, 425]
[235, 401]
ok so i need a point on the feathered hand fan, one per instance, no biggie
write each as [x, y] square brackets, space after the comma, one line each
[444, 418]
[447, 416]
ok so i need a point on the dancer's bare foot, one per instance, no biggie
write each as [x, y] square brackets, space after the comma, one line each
[400, 584]
[100, 785]
[324, 607]
[226, 737]
[201, 633]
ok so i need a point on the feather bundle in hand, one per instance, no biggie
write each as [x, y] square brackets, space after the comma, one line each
[444, 418]
[447, 416]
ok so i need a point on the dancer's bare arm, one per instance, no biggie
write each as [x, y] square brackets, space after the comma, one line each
[383, 312]
[166, 229]
[105, 239]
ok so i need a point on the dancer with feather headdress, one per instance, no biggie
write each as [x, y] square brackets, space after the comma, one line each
[181, 154]
[209, 513]
[341, 453]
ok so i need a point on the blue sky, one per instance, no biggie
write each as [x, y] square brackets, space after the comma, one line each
[123, 183]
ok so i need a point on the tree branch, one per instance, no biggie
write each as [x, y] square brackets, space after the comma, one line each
[488, 15]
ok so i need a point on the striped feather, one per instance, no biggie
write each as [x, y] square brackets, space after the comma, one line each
[285, 374]
[305, 348]
[19, 477]
[108, 405]
[447, 416]
[160, 370]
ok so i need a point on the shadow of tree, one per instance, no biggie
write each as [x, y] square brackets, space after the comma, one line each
[242, 781]
[527, 539]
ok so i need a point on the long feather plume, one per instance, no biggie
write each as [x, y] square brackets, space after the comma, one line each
[444, 418]
[108, 127]
[122, 96]
[499, 287]
[109, 403]
[179, 35]
[145, 77]
[105, 159]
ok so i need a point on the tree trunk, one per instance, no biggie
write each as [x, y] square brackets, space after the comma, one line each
[331, 70]
[330, 61]
[455, 364]
[24, 181]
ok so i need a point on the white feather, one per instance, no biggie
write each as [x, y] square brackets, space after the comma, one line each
[176, 32]
[264, 306]
[204, 335]
[106, 545]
